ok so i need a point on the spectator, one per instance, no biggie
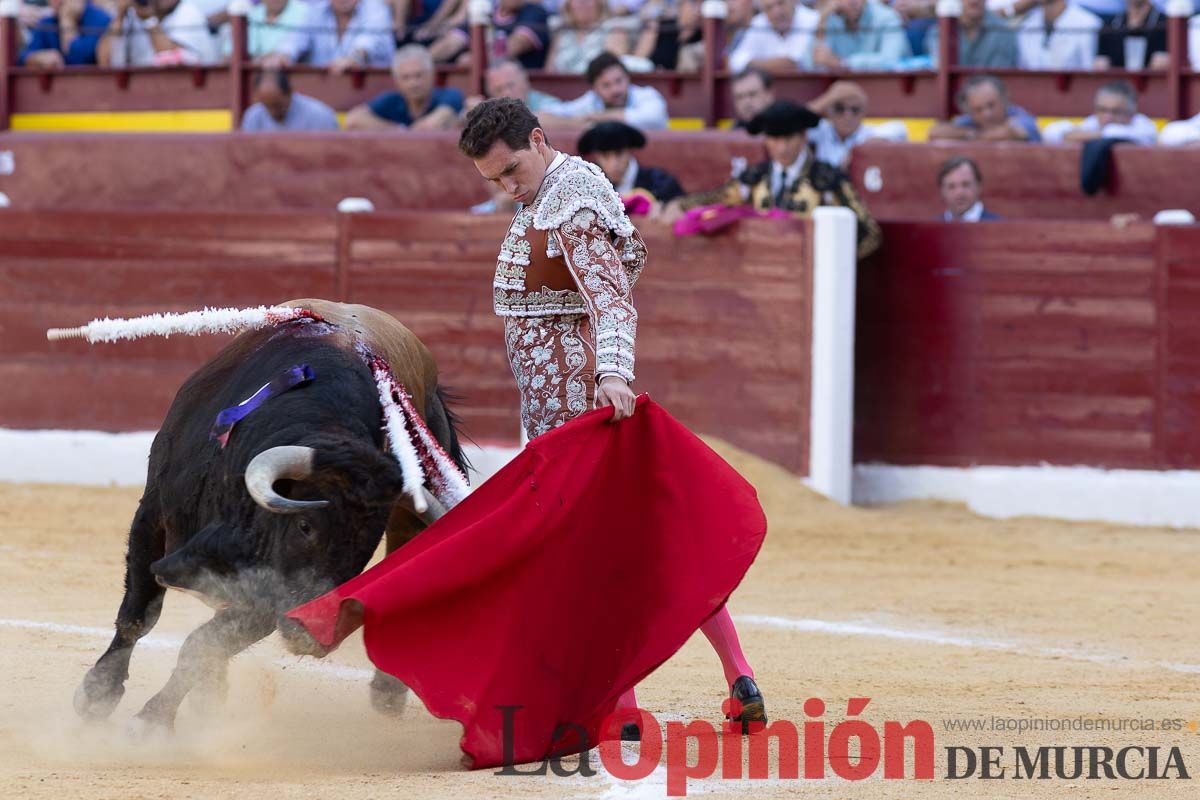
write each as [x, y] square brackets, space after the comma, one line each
[1194, 42]
[791, 179]
[67, 37]
[340, 35]
[1181, 132]
[626, 8]
[1058, 35]
[612, 96]
[410, 16]
[738, 14]
[918, 17]
[1114, 117]
[984, 38]
[155, 33]
[585, 34]
[961, 185]
[268, 24]
[520, 29]
[416, 104]
[507, 78]
[1136, 38]
[672, 39]
[843, 107]
[610, 146]
[988, 115]
[443, 16]
[779, 39]
[278, 108]
[214, 12]
[860, 34]
[752, 93]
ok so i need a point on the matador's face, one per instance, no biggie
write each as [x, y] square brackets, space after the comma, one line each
[518, 172]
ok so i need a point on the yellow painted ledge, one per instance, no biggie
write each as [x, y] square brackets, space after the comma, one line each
[206, 121]
[219, 120]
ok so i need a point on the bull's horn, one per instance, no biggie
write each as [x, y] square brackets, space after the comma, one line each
[264, 469]
[433, 508]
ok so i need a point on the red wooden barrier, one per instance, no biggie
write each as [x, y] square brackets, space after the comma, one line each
[1028, 182]
[723, 341]
[1178, 288]
[1002, 343]
[274, 172]
[1014, 343]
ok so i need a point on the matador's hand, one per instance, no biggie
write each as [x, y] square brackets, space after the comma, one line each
[614, 391]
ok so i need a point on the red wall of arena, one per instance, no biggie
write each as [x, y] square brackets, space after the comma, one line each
[250, 172]
[723, 343]
[999, 343]
[1024, 343]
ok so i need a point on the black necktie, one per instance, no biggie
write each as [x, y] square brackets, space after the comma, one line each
[782, 190]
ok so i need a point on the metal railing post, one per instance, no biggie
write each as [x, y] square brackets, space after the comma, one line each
[714, 13]
[239, 28]
[948, 12]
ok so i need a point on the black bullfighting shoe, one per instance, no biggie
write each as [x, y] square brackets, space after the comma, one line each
[630, 732]
[746, 692]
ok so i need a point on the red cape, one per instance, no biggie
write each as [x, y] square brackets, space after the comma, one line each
[558, 584]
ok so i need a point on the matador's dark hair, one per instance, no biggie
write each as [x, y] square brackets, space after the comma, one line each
[503, 119]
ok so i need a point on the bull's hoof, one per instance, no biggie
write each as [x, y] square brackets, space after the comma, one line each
[298, 641]
[96, 697]
[146, 727]
[388, 694]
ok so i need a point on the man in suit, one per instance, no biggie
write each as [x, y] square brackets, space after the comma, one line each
[961, 185]
[610, 145]
[791, 178]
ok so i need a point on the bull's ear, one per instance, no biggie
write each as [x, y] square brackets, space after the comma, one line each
[217, 549]
[359, 472]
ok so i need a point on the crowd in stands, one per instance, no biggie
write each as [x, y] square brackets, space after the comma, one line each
[611, 42]
[566, 35]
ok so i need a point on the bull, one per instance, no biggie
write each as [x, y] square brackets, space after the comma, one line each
[294, 503]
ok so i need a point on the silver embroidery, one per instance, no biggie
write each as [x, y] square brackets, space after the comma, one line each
[578, 184]
[552, 365]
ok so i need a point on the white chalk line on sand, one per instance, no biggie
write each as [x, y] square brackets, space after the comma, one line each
[865, 629]
[153, 642]
[933, 637]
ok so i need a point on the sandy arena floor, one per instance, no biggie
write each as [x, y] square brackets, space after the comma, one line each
[931, 612]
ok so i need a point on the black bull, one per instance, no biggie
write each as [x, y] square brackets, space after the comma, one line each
[293, 505]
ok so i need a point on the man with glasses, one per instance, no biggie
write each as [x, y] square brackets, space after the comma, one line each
[1115, 116]
[843, 107]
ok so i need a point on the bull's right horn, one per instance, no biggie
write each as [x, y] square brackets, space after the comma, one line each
[289, 461]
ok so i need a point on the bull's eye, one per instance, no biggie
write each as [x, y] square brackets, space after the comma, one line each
[305, 528]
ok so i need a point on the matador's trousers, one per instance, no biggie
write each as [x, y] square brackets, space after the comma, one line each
[553, 359]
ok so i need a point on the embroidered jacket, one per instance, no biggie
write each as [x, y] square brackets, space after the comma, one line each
[818, 184]
[573, 250]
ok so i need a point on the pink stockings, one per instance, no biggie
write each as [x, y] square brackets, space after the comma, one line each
[724, 639]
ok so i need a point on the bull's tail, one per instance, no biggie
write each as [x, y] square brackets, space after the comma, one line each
[446, 426]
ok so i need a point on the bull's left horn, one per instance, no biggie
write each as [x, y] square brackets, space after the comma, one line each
[434, 510]
[289, 461]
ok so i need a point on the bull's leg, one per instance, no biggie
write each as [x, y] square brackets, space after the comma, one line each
[211, 691]
[206, 651]
[104, 683]
[388, 693]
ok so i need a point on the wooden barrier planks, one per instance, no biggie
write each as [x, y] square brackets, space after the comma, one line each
[724, 329]
[996, 344]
